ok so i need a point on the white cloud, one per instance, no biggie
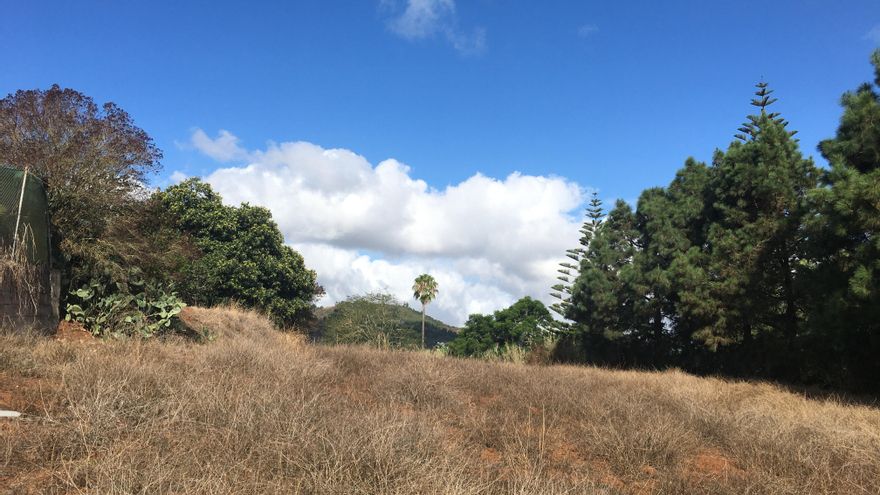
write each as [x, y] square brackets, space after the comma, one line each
[587, 30]
[178, 176]
[223, 148]
[873, 34]
[421, 19]
[366, 228]
[344, 272]
[473, 43]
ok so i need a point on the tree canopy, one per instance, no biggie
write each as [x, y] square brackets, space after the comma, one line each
[524, 323]
[94, 162]
[760, 264]
[242, 258]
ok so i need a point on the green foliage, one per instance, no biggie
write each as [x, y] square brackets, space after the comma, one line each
[368, 319]
[424, 288]
[507, 352]
[139, 243]
[144, 313]
[602, 301]
[477, 336]
[760, 264]
[845, 235]
[569, 270]
[242, 255]
[379, 320]
[524, 324]
[715, 258]
[756, 233]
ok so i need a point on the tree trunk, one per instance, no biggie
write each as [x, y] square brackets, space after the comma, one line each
[747, 336]
[790, 319]
[659, 351]
[423, 326]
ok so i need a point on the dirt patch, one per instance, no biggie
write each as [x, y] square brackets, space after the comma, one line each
[22, 394]
[711, 463]
[649, 471]
[490, 456]
[72, 331]
[612, 481]
[566, 453]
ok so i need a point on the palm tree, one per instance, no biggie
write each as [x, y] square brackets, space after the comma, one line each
[425, 290]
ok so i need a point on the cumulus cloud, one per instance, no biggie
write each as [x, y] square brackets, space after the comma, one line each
[421, 19]
[223, 148]
[366, 227]
[178, 176]
[343, 272]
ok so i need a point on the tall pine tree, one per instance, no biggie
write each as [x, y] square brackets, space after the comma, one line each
[846, 237]
[689, 194]
[601, 302]
[756, 238]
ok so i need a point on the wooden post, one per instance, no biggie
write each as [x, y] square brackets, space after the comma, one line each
[18, 217]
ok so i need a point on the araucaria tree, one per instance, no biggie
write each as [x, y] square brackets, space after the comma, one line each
[569, 270]
[601, 302]
[757, 240]
[424, 290]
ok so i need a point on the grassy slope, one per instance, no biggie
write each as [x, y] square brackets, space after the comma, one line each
[261, 412]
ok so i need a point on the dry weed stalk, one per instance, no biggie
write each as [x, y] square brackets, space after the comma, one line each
[20, 274]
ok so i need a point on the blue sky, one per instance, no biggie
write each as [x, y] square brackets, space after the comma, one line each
[607, 95]
[618, 108]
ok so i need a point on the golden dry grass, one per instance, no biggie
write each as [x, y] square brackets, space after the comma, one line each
[258, 411]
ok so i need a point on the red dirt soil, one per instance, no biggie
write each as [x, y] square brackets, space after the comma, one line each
[71, 331]
[712, 463]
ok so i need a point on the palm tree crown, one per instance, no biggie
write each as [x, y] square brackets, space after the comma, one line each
[424, 290]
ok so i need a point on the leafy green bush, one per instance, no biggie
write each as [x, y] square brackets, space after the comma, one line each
[241, 255]
[144, 313]
[525, 324]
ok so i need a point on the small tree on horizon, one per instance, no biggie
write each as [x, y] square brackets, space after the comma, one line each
[424, 290]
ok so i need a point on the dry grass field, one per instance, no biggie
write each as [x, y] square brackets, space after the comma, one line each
[258, 411]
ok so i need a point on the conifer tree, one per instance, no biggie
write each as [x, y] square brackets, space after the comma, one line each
[601, 302]
[756, 232]
[569, 270]
[660, 240]
[846, 238]
[689, 195]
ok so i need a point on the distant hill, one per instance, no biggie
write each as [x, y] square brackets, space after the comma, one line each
[378, 318]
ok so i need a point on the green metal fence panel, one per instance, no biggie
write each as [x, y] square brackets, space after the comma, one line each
[33, 225]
